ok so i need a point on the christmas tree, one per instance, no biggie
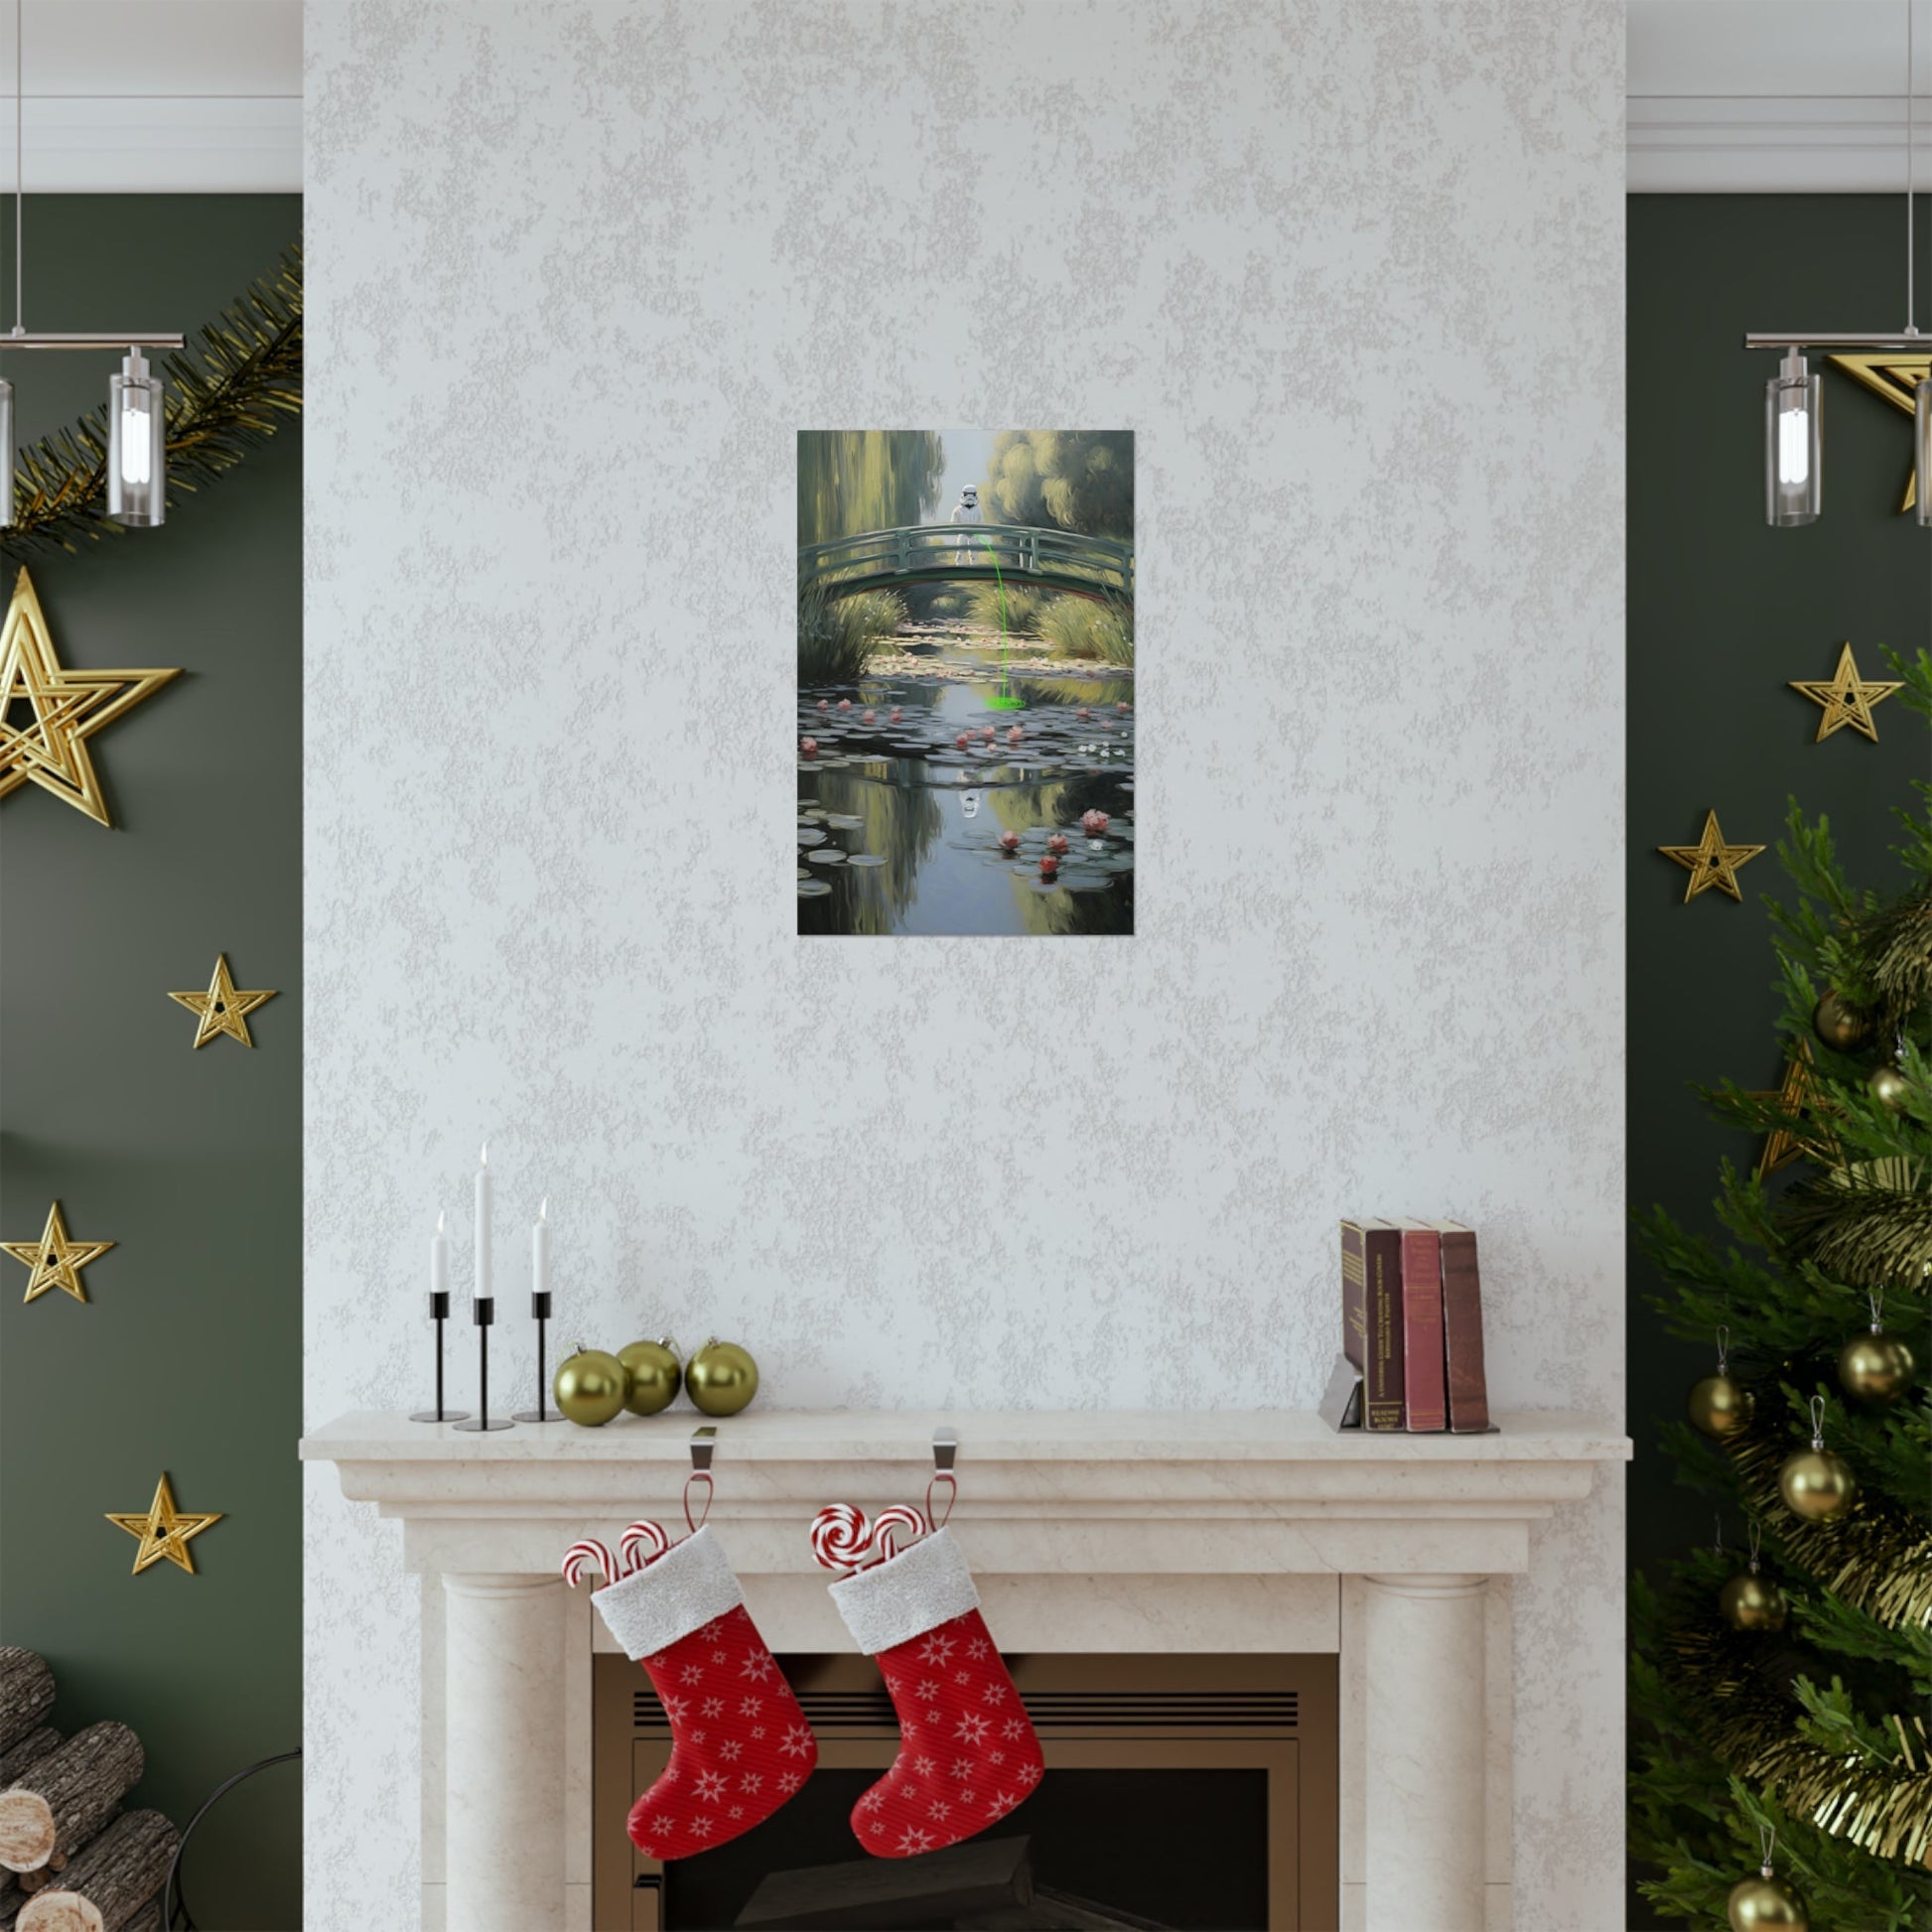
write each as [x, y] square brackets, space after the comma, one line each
[1793, 1699]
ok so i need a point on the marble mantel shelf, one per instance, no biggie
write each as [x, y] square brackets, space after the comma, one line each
[1005, 1435]
[1088, 1529]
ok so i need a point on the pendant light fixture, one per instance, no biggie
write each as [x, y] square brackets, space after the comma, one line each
[1794, 398]
[137, 418]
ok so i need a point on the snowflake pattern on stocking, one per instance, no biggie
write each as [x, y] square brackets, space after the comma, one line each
[726, 1777]
[949, 1780]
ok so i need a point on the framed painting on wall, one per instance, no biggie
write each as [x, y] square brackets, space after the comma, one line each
[966, 714]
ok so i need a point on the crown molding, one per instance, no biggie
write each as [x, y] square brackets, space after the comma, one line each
[210, 144]
[1730, 144]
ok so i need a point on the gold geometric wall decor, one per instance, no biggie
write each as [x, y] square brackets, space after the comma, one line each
[48, 712]
[56, 1261]
[1896, 377]
[221, 1008]
[1797, 1097]
[162, 1528]
[1711, 860]
[1847, 697]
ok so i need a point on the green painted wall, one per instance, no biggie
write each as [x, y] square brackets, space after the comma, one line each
[187, 1358]
[1722, 611]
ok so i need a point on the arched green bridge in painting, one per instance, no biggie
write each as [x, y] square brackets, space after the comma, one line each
[951, 553]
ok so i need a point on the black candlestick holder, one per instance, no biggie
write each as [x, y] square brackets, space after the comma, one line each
[540, 1314]
[484, 1310]
[439, 1313]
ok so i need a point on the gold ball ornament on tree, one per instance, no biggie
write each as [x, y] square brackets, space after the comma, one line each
[1720, 1404]
[721, 1378]
[1889, 1087]
[1752, 1601]
[1814, 1483]
[653, 1375]
[1841, 1027]
[1875, 1366]
[591, 1387]
[1757, 1904]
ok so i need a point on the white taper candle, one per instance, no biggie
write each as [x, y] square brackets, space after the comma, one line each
[482, 1224]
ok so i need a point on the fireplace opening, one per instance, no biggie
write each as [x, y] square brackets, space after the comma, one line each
[1184, 1792]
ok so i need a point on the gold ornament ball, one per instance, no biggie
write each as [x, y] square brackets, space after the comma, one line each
[1840, 1026]
[1817, 1485]
[722, 1378]
[590, 1387]
[1753, 1603]
[1877, 1367]
[652, 1375]
[1758, 1903]
[1889, 1087]
[1720, 1404]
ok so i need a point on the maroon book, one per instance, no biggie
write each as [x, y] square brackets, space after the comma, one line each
[1468, 1386]
[1372, 1316]
[1421, 1327]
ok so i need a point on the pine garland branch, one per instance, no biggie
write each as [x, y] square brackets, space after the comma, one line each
[226, 395]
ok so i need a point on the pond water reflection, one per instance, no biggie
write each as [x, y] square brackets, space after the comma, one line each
[901, 825]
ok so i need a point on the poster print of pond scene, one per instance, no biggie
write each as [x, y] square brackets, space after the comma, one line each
[966, 715]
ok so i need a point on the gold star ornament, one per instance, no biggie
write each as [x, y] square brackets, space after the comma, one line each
[164, 1530]
[1896, 377]
[48, 712]
[1847, 698]
[1799, 1096]
[54, 1260]
[1711, 860]
[221, 1008]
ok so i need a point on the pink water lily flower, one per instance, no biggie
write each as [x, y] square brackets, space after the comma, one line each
[986, 731]
[845, 704]
[1121, 706]
[897, 715]
[1008, 841]
[809, 745]
[823, 705]
[1056, 844]
[962, 741]
[1049, 867]
[871, 718]
[1093, 823]
[1012, 735]
[1083, 712]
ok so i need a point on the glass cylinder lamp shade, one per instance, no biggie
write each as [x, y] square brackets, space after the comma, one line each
[137, 446]
[6, 453]
[1794, 447]
[1922, 448]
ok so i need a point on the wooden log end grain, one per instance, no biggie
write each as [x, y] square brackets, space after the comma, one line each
[68, 1795]
[108, 1881]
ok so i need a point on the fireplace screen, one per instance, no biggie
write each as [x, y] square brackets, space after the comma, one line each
[1180, 1792]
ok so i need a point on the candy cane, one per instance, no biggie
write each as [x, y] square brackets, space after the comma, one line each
[637, 1535]
[840, 1539]
[588, 1551]
[888, 1522]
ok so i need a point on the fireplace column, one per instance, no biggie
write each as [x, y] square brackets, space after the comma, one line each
[1422, 1662]
[504, 1745]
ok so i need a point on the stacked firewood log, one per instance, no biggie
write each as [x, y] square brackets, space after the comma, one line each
[71, 1859]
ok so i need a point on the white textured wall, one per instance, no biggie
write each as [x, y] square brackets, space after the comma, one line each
[576, 275]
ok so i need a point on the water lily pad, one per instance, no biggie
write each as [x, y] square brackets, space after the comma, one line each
[844, 822]
[831, 856]
[813, 888]
[810, 835]
[865, 859]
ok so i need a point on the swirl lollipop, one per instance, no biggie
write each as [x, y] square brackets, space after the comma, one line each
[887, 1525]
[636, 1538]
[590, 1550]
[840, 1539]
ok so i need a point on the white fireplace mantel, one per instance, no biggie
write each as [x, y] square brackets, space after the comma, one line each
[1088, 1530]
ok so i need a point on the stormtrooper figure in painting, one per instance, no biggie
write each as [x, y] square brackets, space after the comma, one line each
[966, 511]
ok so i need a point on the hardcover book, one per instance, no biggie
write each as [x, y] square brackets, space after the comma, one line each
[1421, 1327]
[1468, 1386]
[1372, 1316]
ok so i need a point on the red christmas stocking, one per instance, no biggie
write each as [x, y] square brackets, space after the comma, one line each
[968, 1753]
[740, 1743]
